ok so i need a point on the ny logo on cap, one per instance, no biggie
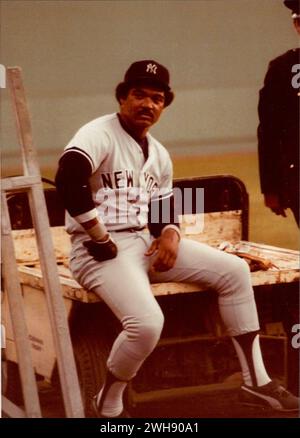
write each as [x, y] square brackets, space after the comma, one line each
[151, 68]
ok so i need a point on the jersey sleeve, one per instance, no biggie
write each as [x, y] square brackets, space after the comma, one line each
[72, 184]
[268, 131]
[80, 159]
[90, 143]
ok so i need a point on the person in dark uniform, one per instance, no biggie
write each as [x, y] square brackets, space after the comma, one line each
[278, 130]
[278, 149]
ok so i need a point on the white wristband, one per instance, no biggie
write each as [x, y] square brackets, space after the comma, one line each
[87, 216]
[97, 232]
[109, 238]
[173, 227]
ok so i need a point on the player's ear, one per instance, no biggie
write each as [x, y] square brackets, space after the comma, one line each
[169, 97]
[296, 22]
[121, 92]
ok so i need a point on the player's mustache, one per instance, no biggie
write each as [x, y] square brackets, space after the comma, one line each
[145, 112]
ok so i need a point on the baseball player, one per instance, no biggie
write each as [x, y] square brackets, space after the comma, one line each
[278, 153]
[111, 175]
[278, 130]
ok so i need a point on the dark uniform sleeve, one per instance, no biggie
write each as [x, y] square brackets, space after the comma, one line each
[72, 183]
[268, 132]
[162, 212]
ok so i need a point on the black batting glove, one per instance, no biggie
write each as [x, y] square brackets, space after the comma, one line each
[101, 251]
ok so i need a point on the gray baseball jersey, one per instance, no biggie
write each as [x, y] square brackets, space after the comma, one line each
[122, 183]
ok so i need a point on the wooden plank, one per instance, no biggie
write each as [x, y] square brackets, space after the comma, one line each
[18, 183]
[40, 334]
[23, 121]
[57, 314]
[217, 226]
[72, 290]
[282, 276]
[12, 410]
[281, 257]
[15, 301]
[26, 246]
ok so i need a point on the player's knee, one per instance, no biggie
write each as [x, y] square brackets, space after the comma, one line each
[145, 331]
[238, 276]
[241, 268]
[150, 333]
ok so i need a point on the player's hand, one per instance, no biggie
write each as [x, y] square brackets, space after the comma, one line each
[102, 250]
[273, 202]
[166, 249]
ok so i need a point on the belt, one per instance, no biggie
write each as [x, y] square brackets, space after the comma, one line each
[129, 230]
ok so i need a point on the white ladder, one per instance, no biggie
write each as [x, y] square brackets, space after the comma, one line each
[31, 183]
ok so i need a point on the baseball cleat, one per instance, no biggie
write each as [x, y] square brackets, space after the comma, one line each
[95, 409]
[271, 395]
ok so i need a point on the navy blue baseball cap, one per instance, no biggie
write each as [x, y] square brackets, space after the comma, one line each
[146, 72]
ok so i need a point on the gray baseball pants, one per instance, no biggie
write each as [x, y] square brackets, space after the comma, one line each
[124, 285]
